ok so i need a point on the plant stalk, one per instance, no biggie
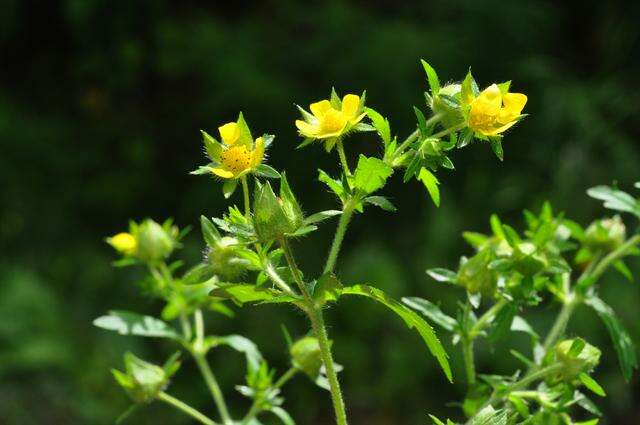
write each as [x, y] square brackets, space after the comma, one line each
[213, 386]
[245, 192]
[318, 326]
[345, 217]
[469, 361]
[185, 408]
[343, 158]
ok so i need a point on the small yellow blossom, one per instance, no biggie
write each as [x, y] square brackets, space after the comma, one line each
[125, 243]
[238, 154]
[326, 121]
[492, 112]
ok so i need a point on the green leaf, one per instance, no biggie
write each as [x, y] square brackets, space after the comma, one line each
[371, 174]
[466, 137]
[241, 345]
[327, 289]
[265, 170]
[443, 275]
[410, 318]
[621, 267]
[229, 187]
[475, 239]
[619, 336]
[212, 147]
[502, 322]
[592, 385]
[519, 324]
[209, 231]
[431, 311]
[381, 202]
[431, 183]
[128, 323]
[245, 293]
[496, 146]
[489, 416]
[615, 199]
[333, 184]
[335, 101]
[321, 216]
[422, 122]
[432, 77]
[381, 125]
[282, 415]
[245, 133]
[469, 88]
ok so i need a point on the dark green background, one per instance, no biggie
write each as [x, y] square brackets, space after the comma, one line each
[100, 107]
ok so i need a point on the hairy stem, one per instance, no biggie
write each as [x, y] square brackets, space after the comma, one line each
[560, 325]
[469, 361]
[414, 136]
[343, 158]
[319, 330]
[185, 408]
[345, 217]
[486, 318]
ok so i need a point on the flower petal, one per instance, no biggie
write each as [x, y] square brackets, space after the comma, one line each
[513, 106]
[230, 133]
[350, 105]
[318, 109]
[221, 172]
[307, 129]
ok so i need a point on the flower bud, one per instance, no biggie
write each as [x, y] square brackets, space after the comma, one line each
[305, 355]
[442, 104]
[143, 381]
[155, 242]
[606, 234]
[224, 259]
[274, 217]
[574, 361]
[125, 243]
[528, 261]
[476, 276]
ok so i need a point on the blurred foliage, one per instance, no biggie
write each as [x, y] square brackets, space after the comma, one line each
[100, 107]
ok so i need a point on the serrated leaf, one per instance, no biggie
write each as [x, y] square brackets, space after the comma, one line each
[242, 293]
[333, 184]
[371, 174]
[619, 336]
[422, 122]
[431, 311]
[431, 183]
[615, 199]
[129, 323]
[240, 344]
[411, 319]
[380, 202]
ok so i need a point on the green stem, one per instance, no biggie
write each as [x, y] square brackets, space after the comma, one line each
[277, 280]
[319, 330]
[286, 377]
[614, 256]
[414, 136]
[213, 386]
[317, 323]
[186, 327]
[486, 318]
[560, 325]
[245, 192]
[347, 212]
[343, 158]
[447, 131]
[185, 408]
[469, 362]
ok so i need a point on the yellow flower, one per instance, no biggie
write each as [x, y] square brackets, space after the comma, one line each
[238, 154]
[125, 243]
[492, 112]
[326, 120]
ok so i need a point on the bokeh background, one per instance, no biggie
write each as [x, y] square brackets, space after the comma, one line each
[100, 106]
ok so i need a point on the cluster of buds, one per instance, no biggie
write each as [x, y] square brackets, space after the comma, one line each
[575, 357]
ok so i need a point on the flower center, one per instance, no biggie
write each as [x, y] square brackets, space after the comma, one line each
[236, 159]
[333, 121]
